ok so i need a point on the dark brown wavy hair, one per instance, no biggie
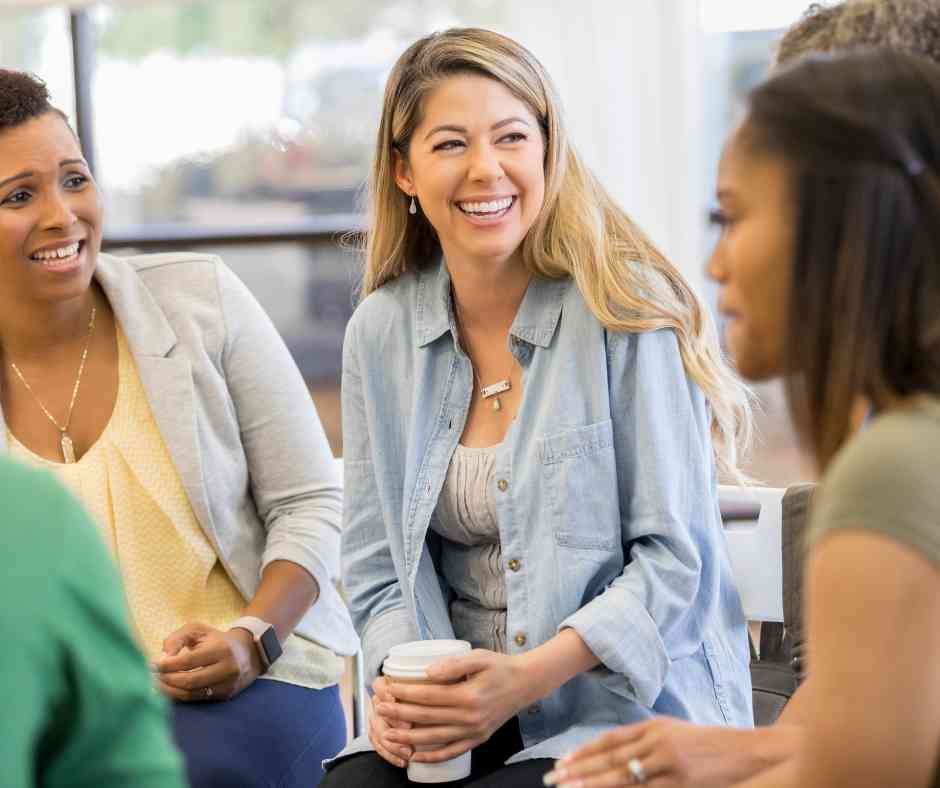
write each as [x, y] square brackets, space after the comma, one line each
[860, 134]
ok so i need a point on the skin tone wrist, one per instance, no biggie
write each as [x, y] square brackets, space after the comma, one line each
[201, 663]
[555, 662]
[285, 594]
[244, 637]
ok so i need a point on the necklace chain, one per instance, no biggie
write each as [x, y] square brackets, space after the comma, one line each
[78, 381]
[505, 384]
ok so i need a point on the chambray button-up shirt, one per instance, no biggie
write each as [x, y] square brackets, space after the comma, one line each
[606, 499]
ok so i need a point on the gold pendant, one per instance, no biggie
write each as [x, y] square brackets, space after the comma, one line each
[496, 405]
[496, 388]
[68, 449]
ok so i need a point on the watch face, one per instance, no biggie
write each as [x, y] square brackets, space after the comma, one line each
[271, 645]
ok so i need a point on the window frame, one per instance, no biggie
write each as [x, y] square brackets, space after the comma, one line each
[159, 236]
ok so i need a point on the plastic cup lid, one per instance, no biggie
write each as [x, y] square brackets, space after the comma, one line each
[410, 659]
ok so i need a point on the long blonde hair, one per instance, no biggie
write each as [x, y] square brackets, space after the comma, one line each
[626, 281]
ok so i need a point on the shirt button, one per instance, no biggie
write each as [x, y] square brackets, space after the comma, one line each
[520, 639]
[514, 564]
[503, 485]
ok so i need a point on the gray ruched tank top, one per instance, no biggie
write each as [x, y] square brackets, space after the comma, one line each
[471, 557]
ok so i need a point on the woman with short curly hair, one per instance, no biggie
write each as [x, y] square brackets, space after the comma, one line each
[911, 26]
[157, 389]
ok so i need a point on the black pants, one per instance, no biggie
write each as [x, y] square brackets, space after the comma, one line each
[371, 771]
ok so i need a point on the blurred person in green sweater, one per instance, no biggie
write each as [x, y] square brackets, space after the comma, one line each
[79, 704]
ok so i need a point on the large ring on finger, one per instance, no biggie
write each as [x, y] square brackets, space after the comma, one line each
[208, 692]
[636, 769]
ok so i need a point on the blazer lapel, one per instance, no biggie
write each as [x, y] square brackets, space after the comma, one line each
[167, 380]
[169, 386]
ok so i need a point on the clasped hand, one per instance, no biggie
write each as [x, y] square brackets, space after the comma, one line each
[449, 716]
[202, 663]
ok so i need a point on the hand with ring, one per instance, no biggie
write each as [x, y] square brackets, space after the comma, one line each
[200, 663]
[662, 753]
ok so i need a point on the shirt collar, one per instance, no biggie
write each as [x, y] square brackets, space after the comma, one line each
[535, 321]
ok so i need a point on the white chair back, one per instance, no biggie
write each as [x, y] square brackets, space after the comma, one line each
[753, 518]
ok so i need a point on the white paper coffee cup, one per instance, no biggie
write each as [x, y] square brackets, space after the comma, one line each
[408, 663]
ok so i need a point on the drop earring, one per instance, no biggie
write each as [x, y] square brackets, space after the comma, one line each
[413, 209]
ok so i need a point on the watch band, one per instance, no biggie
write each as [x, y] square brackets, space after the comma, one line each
[264, 636]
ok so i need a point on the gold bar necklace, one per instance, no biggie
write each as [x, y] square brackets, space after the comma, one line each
[68, 447]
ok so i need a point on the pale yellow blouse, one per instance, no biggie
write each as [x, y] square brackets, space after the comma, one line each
[171, 573]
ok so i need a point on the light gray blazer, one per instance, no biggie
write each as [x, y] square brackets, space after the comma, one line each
[238, 422]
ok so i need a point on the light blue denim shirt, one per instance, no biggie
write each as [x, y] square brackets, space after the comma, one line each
[606, 496]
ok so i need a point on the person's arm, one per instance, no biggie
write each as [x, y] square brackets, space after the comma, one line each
[286, 592]
[294, 483]
[873, 716]
[677, 753]
[794, 713]
[296, 490]
[869, 713]
[648, 617]
[369, 577]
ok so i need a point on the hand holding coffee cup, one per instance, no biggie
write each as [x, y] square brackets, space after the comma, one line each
[462, 701]
[407, 665]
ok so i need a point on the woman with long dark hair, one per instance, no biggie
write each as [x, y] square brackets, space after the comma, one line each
[829, 266]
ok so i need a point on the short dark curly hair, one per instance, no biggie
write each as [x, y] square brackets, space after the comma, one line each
[23, 97]
[813, 33]
[911, 26]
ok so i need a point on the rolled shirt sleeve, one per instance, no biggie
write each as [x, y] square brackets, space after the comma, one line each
[669, 520]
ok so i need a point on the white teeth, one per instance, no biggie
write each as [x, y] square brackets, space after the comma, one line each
[486, 207]
[57, 254]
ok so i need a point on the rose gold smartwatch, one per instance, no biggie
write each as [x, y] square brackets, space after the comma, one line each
[265, 637]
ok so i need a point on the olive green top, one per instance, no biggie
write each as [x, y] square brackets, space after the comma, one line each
[886, 480]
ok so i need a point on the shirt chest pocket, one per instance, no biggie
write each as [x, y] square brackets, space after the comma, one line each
[580, 497]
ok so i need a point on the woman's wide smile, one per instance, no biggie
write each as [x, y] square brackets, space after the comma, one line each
[487, 212]
[63, 257]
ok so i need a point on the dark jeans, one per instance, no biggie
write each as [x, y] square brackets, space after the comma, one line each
[272, 735]
[371, 771]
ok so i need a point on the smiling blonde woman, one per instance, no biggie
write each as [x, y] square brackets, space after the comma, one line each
[530, 397]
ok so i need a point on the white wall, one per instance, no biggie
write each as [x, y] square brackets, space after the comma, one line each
[631, 78]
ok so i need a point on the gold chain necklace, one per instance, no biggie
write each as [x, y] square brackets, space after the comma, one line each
[68, 448]
[494, 389]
